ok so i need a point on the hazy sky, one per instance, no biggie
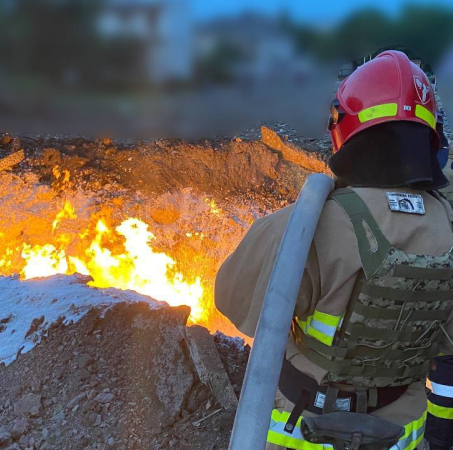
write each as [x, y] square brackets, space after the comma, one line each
[307, 10]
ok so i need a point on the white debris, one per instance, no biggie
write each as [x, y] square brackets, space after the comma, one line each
[46, 300]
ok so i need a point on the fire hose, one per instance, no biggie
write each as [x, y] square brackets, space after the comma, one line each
[263, 370]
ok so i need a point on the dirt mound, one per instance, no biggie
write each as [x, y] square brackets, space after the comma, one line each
[197, 199]
[122, 379]
[221, 167]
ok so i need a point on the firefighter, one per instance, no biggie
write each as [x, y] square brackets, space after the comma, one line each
[376, 299]
[439, 422]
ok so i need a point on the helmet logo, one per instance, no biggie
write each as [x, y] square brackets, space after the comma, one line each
[422, 89]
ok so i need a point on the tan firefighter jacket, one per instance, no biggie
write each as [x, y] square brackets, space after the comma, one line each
[332, 269]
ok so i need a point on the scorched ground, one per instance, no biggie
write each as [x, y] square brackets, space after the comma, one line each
[97, 239]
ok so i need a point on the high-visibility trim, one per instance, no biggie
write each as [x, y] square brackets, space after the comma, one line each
[378, 111]
[278, 436]
[442, 389]
[440, 411]
[422, 113]
[321, 326]
[413, 434]
[327, 319]
[321, 337]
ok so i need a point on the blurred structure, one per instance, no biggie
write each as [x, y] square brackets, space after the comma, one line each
[183, 68]
[346, 70]
[445, 85]
[160, 27]
[251, 48]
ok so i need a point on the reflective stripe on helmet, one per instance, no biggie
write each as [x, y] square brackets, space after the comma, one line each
[442, 389]
[413, 434]
[379, 111]
[440, 411]
[426, 115]
[321, 326]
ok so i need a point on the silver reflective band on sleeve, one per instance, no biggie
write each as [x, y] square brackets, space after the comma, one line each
[328, 330]
[413, 434]
[321, 326]
[442, 389]
[411, 441]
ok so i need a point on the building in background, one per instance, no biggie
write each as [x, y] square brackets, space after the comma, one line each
[164, 30]
[252, 48]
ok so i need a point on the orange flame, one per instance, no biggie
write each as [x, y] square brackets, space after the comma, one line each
[130, 263]
[43, 261]
[68, 212]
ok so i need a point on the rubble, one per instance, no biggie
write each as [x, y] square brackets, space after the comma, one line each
[28, 309]
[12, 160]
[118, 375]
[312, 161]
[209, 366]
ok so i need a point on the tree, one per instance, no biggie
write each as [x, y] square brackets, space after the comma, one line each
[426, 30]
[50, 38]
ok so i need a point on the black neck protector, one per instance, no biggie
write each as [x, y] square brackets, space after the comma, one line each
[392, 154]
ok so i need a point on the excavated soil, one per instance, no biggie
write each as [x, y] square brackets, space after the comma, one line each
[220, 167]
[123, 380]
[199, 198]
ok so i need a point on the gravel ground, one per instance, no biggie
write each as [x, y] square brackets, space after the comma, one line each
[120, 381]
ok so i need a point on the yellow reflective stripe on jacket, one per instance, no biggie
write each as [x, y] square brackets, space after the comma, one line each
[321, 326]
[426, 115]
[278, 436]
[440, 411]
[413, 434]
[378, 111]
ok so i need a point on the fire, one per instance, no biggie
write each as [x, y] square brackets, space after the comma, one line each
[43, 261]
[168, 246]
[68, 212]
[121, 257]
[213, 206]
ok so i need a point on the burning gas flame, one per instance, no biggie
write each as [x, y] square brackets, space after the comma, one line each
[121, 257]
[43, 261]
[213, 206]
[68, 212]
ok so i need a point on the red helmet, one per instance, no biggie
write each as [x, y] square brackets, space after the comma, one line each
[390, 87]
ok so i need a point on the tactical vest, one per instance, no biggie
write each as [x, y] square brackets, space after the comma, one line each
[397, 312]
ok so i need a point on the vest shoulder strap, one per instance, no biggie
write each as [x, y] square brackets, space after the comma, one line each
[373, 245]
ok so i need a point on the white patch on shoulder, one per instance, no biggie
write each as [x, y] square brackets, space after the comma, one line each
[406, 203]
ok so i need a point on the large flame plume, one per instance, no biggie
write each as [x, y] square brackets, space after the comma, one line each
[168, 247]
[120, 257]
